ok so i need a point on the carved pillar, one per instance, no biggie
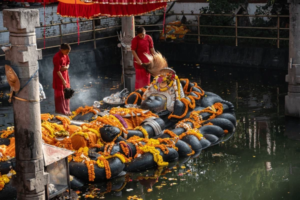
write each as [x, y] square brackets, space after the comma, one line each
[292, 100]
[129, 71]
[31, 179]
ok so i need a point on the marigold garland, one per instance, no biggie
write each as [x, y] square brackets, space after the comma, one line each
[81, 155]
[84, 150]
[103, 163]
[120, 156]
[167, 78]
[194, 124]
[135, 140]
[196, 117]
[93, 131]
[164, 149]
[66, 143]
[45, 136]
[57, 127]
[192, 153]
[126, 111]
[171, 133]
[187, 92]
[194, 132]
[8, 152]
[109, 120]
[107, 148]
[186, 104]
[140, 128]
[85, 135]
[124, 148]
[208, 124]
[185, 87]
[6, 133]
[215, 110]
[4, 179]
[168, 142]
[66, 121]
[46, 116]
[192, 103]
[91, 169]
[156, 155]
[183, 125]
[138, 96]
[84, 110]
[50, 130]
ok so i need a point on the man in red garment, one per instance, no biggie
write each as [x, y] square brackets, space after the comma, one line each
[141, 44]
[61, 62]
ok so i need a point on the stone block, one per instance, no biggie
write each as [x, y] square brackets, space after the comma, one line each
[292, 104]
[32, 181]
[30, 166]
[21, 20]
[293, 74]
[19, 55]
[294, 88]
[14, 39]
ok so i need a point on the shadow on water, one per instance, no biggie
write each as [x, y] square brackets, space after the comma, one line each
[261, 161]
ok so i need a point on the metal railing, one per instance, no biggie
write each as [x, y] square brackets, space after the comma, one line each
[94, 30]
[235, 26]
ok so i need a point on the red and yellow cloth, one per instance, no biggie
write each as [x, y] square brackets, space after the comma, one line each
[110, 8]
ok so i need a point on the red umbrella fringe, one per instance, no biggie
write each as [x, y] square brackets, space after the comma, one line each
[95, 10]
[36, 1]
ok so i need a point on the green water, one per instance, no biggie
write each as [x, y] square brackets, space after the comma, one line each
[260, 162]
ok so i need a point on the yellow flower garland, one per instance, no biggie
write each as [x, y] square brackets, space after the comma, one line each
[178, 87]
[194, 132]
[57, 127]
[94, 131]
[156, 155]
[49, 128]
[120, 156]
[7, 132]
[4, 179]
[140, 128]
[85, 135]
[84, 150]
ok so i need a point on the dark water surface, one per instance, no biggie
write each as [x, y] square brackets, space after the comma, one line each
[260, 162]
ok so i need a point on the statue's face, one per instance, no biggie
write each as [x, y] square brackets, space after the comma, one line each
[155, 103]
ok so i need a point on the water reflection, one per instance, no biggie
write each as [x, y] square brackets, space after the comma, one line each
[261, 161]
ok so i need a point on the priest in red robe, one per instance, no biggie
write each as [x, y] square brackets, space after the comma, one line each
[61, 62]
[141, 44]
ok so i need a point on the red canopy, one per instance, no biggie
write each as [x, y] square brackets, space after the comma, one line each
[36, 1]
[111, 8]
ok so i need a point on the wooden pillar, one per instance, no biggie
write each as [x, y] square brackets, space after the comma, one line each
[31, 179]
[128, 27]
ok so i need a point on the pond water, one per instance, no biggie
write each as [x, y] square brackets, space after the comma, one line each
[261, 161]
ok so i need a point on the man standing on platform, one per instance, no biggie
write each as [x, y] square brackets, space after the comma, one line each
[141, 44]
[61, 62]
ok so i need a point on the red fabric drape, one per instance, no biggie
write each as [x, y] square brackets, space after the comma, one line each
[35, 1]
[129, 2]
[93, 10]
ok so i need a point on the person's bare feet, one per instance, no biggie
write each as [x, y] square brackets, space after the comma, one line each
[69, 114]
